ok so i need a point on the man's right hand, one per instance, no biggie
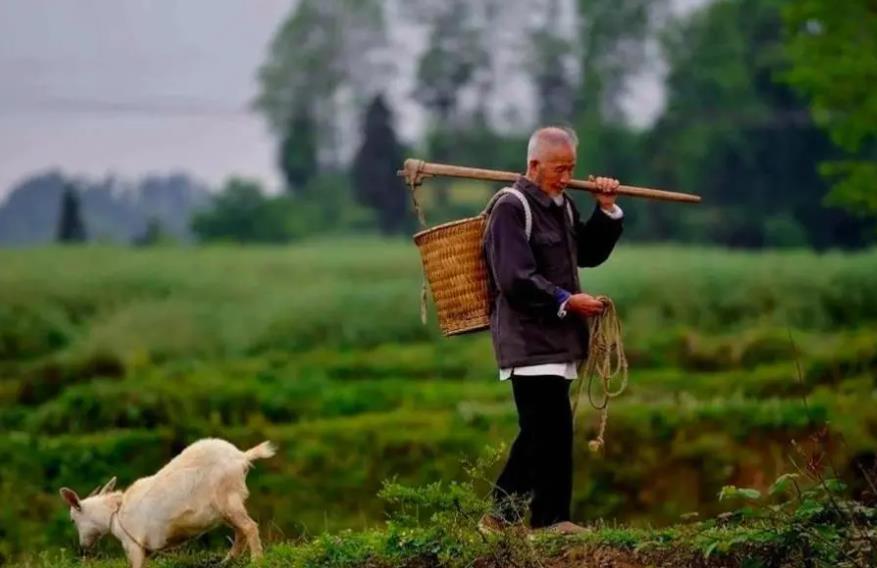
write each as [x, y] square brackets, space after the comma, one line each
[584, 305]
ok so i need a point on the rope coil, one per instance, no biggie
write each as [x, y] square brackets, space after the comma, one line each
[606, 361]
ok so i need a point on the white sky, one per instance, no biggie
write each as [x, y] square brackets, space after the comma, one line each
[145, 86]
[134, 86]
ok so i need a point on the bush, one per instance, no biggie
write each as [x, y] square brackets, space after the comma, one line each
[243, 213]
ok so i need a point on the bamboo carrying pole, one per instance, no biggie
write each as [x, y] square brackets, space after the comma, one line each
[414, 171]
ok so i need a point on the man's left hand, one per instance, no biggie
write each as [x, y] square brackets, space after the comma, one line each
[607, 186]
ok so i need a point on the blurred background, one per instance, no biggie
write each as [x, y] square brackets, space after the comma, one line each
[202, 234]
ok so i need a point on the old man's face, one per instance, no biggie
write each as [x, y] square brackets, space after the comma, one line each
[555, 169]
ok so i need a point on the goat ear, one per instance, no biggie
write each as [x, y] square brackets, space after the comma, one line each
[111, 484]
[71, 498]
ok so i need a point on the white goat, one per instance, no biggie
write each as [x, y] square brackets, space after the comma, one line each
[202, 487]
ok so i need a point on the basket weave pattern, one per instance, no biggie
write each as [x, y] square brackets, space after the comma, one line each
[454, 265]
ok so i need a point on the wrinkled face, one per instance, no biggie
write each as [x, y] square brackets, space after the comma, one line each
[554, 170]
[89, 529]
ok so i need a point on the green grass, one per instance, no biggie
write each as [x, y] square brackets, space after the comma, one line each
[112, 360]
[153, 305]
[450, 539]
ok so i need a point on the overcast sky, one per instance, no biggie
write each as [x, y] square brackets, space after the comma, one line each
[139, 86]
[134, 86]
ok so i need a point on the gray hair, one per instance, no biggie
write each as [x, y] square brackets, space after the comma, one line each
[550, 136]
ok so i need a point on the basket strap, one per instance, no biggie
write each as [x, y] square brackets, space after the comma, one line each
[528, 214]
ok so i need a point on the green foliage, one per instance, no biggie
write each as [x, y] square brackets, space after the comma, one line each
[374, 170]
[817, 518]
[854, 183]
[549, 69]
[731, 492]
[114, 359]
[153, 235]
[218, 301]
[298, 151]
[242, 213]
[832, 50]
[322, 48]
[204, 398]
[453, 56]
[449, 538]
[741, 136]
[735, 129]
[613, 50]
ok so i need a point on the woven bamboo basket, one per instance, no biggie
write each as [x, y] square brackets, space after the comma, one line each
[454, 266]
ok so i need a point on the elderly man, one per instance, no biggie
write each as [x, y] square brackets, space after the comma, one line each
[538, 321]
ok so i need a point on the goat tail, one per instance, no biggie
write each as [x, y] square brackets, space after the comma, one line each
[263, 451]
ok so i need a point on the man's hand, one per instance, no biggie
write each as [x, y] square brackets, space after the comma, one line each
[607, 187]
[584, 305]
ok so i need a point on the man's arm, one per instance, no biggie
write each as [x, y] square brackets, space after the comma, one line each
[511, 262]
[596, 238]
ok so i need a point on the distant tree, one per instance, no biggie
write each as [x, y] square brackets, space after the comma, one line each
[374, 169]
[153, 235]
[326, 51]
[735, 133]
[241, 212]
[298, 151]
[71, 229]
[614, 35]
[833, 49]
[549, 68]
[451, 62]
[612, 48]
[453, 56]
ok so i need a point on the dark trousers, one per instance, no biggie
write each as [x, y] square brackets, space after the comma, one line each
[540, 461]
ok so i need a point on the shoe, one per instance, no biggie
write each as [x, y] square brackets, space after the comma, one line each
[491, 524]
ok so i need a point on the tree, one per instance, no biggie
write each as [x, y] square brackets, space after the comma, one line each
[449, 65]
[453, 57]
[374, 169]
[241, 213]
[298, 151]
[326, 52]
[153, 235]
[614, 38]
[71, 229]
[612, 47]
[833, 50]
[733, 132]
[550, 70]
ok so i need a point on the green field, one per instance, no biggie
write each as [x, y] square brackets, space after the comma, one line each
[112, 360]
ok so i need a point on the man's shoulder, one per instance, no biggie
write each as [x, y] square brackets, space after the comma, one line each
[511, 200]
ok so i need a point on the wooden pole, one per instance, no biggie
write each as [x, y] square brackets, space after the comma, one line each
[414, 171]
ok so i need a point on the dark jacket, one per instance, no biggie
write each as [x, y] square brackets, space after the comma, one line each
[524, 276]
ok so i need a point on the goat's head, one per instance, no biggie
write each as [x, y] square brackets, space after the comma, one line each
[92, 514]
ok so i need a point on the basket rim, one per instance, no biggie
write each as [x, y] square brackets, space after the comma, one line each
[469, 327]
[449, 224]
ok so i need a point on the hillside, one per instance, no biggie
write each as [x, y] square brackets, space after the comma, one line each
[112, 360]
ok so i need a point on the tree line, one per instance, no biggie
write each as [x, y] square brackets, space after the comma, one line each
[768, 114]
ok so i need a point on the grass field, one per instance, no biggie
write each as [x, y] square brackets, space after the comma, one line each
[112, 360]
